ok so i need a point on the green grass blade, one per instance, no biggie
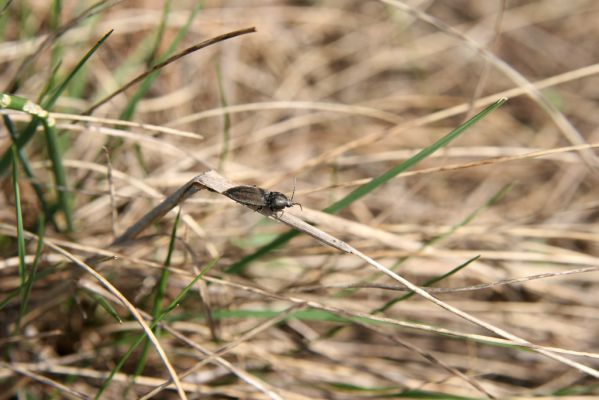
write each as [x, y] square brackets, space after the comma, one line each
[226, 120]
[166, 8]
[54, 25]
[336, 317]
[20, 234]
[60, 177]
[167, 263]
[107, 307]
[240, 265]
[55, 12]
[38, 113]
[421, 155]
[159, 294]
[37, 276]
[369, 187]
[8, 298]
[428, 283]
[33, 272]
[56, 93]
[175, 303]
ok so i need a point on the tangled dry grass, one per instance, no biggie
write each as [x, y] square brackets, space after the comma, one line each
[325, 95]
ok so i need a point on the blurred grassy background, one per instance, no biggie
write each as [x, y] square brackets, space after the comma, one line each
[326, 94]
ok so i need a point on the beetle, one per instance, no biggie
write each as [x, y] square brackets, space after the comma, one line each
[260, 198]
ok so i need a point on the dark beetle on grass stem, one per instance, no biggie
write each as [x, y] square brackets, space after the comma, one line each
[261, 198]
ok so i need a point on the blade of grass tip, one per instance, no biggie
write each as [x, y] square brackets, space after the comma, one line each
[159, 294]
[421, 155]
[226, 119]
[139, 156]
[107, 307]
[304, 315]
[29, 131]
[363, 190]
[41, 230]
[154, 323]
[24, 161]
[428, 283]
[20, 236]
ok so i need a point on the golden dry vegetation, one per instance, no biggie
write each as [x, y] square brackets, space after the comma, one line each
[322, 98]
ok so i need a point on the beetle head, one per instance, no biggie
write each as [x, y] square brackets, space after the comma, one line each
[279, 201]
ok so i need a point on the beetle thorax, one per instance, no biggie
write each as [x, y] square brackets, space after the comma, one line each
[278, 201]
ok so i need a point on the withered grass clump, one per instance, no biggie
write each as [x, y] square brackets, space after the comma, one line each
[432, 257]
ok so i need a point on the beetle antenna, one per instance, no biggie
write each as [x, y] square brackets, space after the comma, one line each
[293, 194]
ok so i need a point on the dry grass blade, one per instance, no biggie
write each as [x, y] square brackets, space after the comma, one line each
[158, 212]
[46, 381]
[119, 122]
